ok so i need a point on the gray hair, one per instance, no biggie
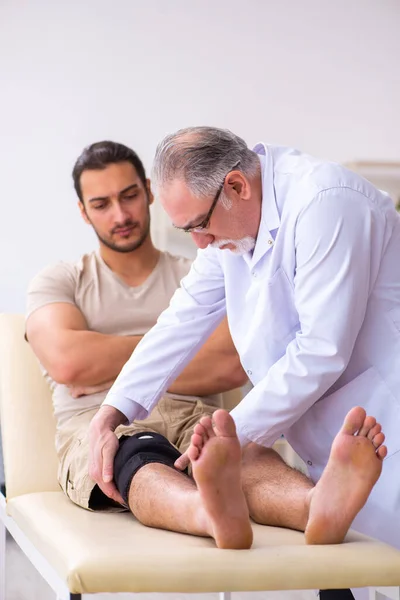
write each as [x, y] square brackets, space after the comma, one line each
[202, 157]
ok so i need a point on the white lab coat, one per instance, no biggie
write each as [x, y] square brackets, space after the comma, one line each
[314, 313]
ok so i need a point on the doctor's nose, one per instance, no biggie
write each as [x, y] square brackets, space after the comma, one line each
[202, 240]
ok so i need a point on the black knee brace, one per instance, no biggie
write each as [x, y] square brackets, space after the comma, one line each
[138, 450]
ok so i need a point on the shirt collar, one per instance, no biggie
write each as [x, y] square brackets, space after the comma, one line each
[270, 219]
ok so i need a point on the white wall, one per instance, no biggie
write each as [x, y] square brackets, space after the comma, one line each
[316, 74]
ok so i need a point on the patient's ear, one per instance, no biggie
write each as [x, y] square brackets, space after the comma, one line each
[150, 194]
[82, 210]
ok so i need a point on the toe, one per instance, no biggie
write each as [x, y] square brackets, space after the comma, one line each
[381, 452]
[369, 423]
[354, 420]
[193, 453]
[223, 424]
[374, 431]
[208, 427]
[199, 429]
[378, 440]
[197, 441]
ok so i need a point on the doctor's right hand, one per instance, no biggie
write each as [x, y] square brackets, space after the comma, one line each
[103, 446]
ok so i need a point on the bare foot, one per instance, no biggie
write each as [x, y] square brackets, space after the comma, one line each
[354, 466]
[216, 456]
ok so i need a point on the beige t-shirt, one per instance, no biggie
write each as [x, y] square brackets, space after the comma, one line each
[109, 306]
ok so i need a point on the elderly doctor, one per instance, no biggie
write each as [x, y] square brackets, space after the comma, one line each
[304, 258]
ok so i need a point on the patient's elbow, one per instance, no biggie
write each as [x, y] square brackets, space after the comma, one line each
[239, 377]
[235, 375]
[63, 371]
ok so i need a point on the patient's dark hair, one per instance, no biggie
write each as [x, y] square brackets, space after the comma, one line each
[102, 154]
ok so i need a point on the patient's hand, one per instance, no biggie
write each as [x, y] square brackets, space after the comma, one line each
[103, 446]
[77, 391]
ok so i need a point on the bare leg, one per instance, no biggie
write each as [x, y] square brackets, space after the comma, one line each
[213, 504]
[162, 497]
[280, 496]
[354, 466]
[276, 494]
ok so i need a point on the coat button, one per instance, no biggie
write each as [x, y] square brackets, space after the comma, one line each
[309, 463]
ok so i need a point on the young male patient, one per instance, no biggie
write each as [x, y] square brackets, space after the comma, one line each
[85, 319]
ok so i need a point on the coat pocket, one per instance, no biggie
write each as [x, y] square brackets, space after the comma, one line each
[280, 307]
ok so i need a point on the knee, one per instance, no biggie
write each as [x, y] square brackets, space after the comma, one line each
[139, 450]
[253, 452]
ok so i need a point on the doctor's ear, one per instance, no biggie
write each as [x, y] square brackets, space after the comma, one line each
[237, 182]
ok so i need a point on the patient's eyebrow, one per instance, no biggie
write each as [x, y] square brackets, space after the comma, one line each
[193, 223]
[120, 193]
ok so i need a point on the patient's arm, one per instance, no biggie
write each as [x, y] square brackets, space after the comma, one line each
[70, 353]
[88, 361]
[216, 367]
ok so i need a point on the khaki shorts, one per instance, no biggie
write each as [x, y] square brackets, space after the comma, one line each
[172, 418]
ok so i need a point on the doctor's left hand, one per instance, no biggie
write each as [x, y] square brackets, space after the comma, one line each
[182, 462]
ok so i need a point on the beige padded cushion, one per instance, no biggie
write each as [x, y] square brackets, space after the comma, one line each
[103, 552]
[27, 422]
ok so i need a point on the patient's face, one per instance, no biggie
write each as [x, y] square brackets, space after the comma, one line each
[116, 204]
